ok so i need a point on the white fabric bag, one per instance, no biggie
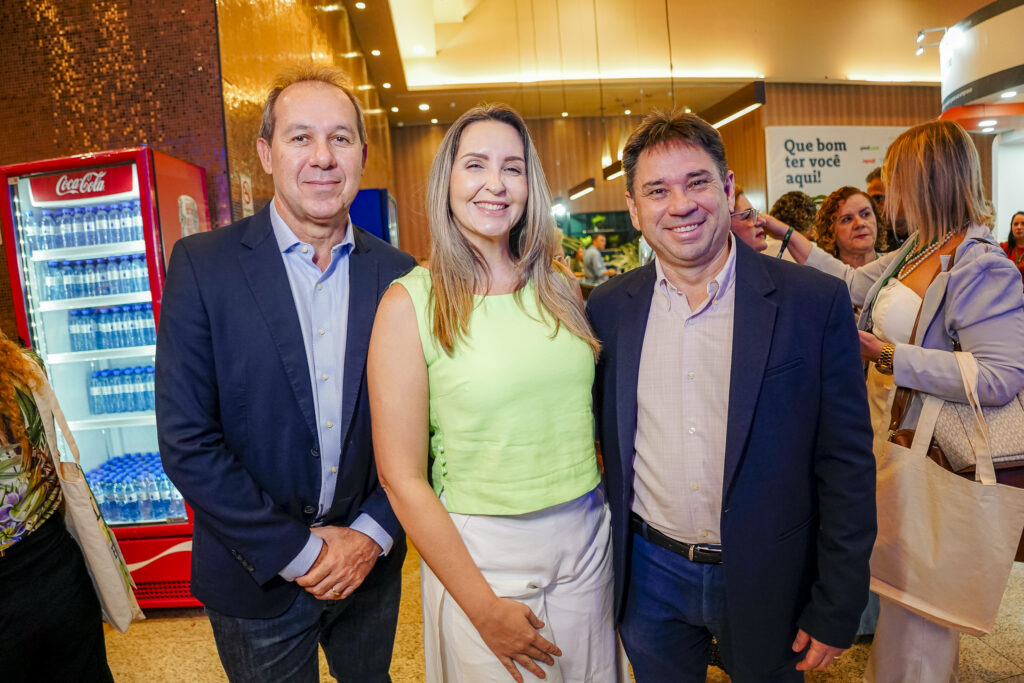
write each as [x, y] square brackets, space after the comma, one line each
[106, 565]
[945, 543]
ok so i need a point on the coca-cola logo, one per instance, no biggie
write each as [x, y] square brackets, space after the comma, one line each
[85, 184]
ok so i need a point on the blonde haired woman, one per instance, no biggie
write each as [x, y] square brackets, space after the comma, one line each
[486, 362]
[952, 274]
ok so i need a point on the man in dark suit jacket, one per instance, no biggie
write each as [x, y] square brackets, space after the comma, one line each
[734, 427]
[262, 410]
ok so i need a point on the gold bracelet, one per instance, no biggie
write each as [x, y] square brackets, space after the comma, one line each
[884, 362]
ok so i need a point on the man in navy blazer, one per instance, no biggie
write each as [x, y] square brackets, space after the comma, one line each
[262, 410]
[734, 427]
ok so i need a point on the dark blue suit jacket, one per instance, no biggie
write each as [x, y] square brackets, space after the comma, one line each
[235, 412]
[798, 505]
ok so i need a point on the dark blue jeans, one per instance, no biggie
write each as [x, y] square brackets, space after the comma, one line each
[673, 608]
[357, 634]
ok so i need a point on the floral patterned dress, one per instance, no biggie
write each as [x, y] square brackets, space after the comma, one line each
[28, 495]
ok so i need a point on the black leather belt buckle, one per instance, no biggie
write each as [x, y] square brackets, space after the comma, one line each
[694, 552]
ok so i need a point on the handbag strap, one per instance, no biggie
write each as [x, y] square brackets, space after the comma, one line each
[49, 410]
[984, 469]
[903, 395]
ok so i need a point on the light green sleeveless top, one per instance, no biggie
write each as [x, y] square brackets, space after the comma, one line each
[511, 426]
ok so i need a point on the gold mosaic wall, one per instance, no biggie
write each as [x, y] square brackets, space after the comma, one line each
[83, 77]
[262, 37]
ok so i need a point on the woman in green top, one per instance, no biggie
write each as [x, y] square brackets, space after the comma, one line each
[486, 363]
[50, 627]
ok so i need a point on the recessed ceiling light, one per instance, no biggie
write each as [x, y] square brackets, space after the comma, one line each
[628, 112]
[394, 109]
[365, 86]
[564, 114]
[424, 107]
[400, 124]
[433, 120]
[688, 110]
[419, 49]
[1008, 94]
[988, 130]
[986, 123]
[375, 53]
[360, 5]
[385, 85]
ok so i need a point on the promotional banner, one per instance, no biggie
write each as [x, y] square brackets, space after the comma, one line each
[817, 160]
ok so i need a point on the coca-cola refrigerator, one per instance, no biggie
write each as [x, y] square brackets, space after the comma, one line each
[87, 240]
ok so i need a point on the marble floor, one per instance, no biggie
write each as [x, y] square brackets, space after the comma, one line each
[177, 645]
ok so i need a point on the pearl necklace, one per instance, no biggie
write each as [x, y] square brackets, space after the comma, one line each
[922, 256]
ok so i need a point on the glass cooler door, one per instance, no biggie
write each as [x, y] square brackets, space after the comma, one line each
[89, 308]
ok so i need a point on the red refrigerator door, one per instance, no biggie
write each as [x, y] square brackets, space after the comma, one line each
[84, 246]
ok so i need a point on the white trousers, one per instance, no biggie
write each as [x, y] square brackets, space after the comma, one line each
[558, 562]
[908, 648]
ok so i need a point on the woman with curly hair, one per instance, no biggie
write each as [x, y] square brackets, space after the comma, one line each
[49, 614]
[847, 227]
[796, 210]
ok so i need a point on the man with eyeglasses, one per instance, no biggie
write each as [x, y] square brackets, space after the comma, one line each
[734, 427]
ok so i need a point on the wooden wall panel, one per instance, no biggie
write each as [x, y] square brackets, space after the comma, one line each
[571, 149]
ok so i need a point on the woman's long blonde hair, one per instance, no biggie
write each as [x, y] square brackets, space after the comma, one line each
[458, 270]
[17, 371]
[933, 177]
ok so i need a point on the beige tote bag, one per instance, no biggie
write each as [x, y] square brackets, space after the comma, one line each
[945, 543]
[107, 569]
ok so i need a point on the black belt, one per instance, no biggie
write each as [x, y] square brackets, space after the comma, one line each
[705, 554]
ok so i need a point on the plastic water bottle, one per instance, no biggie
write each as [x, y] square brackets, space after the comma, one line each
[141, 325]
[77, 237]
[102, 226]
[119, 505]
[150, 387]
[117, 397]
[89, 273]
[149, 330]
[78, 269]
[137, 384]
[62, 230]
[29, 230]
[142, 489]
[74, 331]
[95, 394]
[107, 391]
[47, 228]
[102, 286]
[102, 328]
[53, 286]
[68, 278]
[124, 218]
[165, 495]
[131, 501]
[136, 213]
[89, 227]
[153, 493]
[140, 274]
[177, 506]
[124, 274]
[88, 322]
[96, 485]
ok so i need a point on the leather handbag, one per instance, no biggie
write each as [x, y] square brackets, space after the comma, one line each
[938, 531]
[107, 568]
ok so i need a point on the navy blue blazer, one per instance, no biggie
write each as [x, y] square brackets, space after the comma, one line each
[235, 414]
[798, 505]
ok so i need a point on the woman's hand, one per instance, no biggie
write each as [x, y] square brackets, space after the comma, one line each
[774, 226]
[870, 346]
[509, 629]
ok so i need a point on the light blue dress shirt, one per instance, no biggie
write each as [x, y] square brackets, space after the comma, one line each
[321, 301]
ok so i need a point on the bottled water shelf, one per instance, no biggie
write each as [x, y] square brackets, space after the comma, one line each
[142, 419]
[96, 301]
[100, 354]
[91, 251]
